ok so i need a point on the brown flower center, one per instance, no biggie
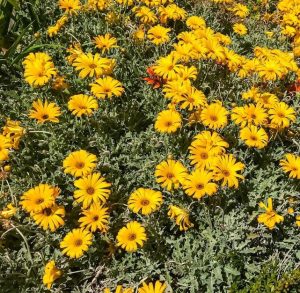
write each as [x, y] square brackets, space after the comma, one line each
[281, 115]
[96, 218]
[93, 66]
[204, 156]
[168, 123]
[253, 137]
[90, 190]
[78, 242]
[79, 165]
[45, 116]
[170, 175]
[131, 236]
[145, 202]
[47, 212]
[39, 201]
[213, 118]
[199, 186]
[226, 173]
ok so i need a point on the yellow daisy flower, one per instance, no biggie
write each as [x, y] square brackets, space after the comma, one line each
[82, 105]
[51, 274]
[76, 242]
[44, 112]
[131, 236]
[145, 200]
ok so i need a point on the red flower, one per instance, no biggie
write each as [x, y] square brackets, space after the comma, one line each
[153, 79]
[295, 87]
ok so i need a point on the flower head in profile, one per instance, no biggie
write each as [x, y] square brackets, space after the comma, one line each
[91, 189]
[79, 163]
[145, 201]
[168, 121]
[95, 218]
[8, 212]
[44, 112]
[82, 105]
[131, 236]
[226, 169]
[152, 287]
[5, 145]
[170, 174]
[105, 42]
[51, 274]
[270, 218]
[76, 243]
[291, 165]
[181, 217]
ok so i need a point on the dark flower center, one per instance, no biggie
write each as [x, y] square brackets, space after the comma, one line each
[131, 236]
[79, 165]
[213, 118]
[90, 190]
[39, 201]
[78, 242]
[47, 212]
[145, 202]
[45, 116]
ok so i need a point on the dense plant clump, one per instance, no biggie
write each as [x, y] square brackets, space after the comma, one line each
[150, 146]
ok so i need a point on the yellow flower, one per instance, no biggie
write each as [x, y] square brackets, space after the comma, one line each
[14, 131]
[270, 70]
[226, 169]
[249, 114]
[39, 69]
[240, 29]
[79, 163]
[281, 115]
[76, 243]
[70, 6]
[270, 218]
[91, 65]
[131, 236]
[8, 212]
[44, 112]
[5, 145]
[50, 218]
[145, 15]
[195, 22]
[59, 83]
[82, 105]
[95, 217]
[91, 189]
[298, 221]
[167, 67]
[156, 287]
[158, 35]
[145, 200]
[51, 274]
[214, 116]
[198, 184]
[170, 174]
[168, 121]
[291, 165]
[106, 87]
[38, 198]
[105, 42]
[181, 217]
[254, 137]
